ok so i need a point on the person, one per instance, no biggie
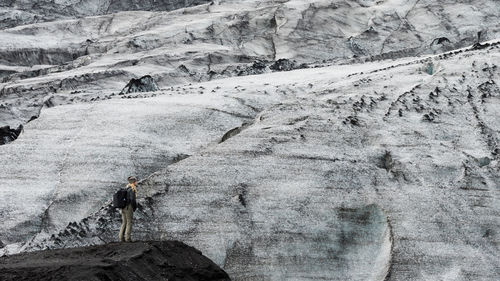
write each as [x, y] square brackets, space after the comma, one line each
[128, 211]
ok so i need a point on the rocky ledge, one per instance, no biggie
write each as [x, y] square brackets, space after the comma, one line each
[153, 260]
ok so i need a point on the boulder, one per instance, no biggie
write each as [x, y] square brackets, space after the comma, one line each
[144, 84]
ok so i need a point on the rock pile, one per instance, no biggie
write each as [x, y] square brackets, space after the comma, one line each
[148, 261]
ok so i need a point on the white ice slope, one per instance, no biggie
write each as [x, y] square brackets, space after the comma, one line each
[365, 172]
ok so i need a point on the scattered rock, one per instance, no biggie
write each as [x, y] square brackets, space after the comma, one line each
[283, 65]
[260, 64]
[386, 161]
[353, 120]
[429, 117]
[263, 66]
[257, 67]
[483, 161]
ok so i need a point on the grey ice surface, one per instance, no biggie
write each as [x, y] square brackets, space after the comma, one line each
[79, 59]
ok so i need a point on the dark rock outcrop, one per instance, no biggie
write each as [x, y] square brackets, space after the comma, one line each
[8, 134]
[144, 84]
[154, 260]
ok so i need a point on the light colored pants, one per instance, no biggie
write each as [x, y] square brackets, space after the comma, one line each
[127, 217]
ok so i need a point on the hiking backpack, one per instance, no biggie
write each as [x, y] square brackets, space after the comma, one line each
[120, 198]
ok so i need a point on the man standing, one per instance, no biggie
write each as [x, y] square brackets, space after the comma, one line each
[128, 211]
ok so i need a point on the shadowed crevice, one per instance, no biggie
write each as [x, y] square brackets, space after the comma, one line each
[233, 132]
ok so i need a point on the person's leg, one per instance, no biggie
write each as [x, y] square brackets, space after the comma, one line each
[130, 217]
[124, 225]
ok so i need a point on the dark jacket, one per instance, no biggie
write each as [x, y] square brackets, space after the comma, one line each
[131, 198]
